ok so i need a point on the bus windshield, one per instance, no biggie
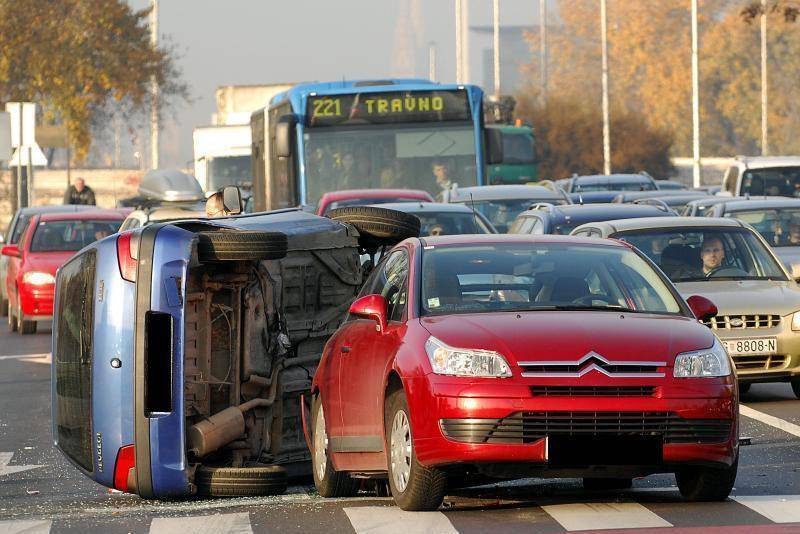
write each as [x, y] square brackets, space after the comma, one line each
[425, 156]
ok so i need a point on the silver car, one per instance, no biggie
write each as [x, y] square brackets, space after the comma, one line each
[727, 261]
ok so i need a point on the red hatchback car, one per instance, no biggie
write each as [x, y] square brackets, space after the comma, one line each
[474, 357]
[48, 241]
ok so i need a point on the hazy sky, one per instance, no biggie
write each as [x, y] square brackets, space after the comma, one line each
[271, 41]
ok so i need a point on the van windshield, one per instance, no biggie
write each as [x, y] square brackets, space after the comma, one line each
[772, 181]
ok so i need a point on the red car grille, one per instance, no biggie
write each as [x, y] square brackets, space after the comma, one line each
[592, 391]
[526, 427]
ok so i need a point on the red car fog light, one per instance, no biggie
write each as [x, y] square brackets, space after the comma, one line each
[126, 460]
[128, 254]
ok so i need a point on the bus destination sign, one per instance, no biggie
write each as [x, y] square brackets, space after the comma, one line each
[389, 107]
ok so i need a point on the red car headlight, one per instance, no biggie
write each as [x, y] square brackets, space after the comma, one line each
[446, 360]
[36, 278]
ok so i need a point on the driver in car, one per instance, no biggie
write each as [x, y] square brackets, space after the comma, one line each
[712, 253]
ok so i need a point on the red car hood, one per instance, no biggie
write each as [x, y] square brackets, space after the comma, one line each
[569, 335]
[46, 262]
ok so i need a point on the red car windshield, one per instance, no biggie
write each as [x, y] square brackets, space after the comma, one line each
[67, 236]
[554, 276]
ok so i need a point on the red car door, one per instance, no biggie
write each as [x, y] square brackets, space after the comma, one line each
[15, 264]
[363, 367]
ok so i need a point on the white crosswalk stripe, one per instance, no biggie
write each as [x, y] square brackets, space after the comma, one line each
[203, 524]
[779, 509]
[389, 520]
[25, 527]
[604, 516]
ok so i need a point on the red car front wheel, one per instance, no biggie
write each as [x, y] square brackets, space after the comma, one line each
[414, 487]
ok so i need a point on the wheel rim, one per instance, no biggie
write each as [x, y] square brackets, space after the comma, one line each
[320, 445]
[401, 450]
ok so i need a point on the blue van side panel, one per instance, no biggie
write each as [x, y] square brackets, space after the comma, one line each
[112, 388]
[167, 431]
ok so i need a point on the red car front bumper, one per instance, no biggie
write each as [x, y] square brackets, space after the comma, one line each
[455, 421]
[37, 301]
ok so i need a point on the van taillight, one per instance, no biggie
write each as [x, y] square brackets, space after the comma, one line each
[128, 254]
[126, 460]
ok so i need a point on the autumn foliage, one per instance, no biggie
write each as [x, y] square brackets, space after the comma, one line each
[569, 135]
[77, 58]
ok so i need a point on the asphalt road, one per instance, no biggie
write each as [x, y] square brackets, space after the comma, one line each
[40, 492]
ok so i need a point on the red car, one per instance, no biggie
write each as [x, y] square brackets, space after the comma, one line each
[362, 197]
[48, 241]
[474, 357]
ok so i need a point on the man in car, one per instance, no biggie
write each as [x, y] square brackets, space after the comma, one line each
[712, 253]
[442, 175]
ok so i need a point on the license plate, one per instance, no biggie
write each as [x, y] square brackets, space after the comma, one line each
[762, 345]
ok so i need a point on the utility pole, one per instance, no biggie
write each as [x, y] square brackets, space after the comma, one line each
[696, 177]
[764, 86]
[432, 61]
[496, 42]
[154, 89]
[543, 48]
[465, 41]
[606, 125]
[459, 44]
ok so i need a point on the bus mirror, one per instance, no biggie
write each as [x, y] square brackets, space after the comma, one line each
[284, 131]
[494, 146]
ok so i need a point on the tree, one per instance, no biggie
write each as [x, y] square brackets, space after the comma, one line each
[80, 58]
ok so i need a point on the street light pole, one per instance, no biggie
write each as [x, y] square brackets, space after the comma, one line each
[606, 125]
[465, 41]
[496, 42]
[695, 102]
[154, 89]
[764, 86]
[543, 48]
[432, 61]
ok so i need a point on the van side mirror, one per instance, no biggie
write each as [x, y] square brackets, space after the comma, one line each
[284, 132]
[494, 146]
[701, 307]
[371, 307]
[232, 199]
[11, 250]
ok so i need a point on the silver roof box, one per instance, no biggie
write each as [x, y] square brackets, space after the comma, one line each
[170, 185]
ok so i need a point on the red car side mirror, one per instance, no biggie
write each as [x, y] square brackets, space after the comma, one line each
[371, 307]
[11, 250]
[702, 307]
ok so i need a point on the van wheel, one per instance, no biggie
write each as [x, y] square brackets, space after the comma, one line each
[27, 327]
[240, 481]
[744, 388]
[706, 483]
[378, 226]
[239, 246]
[414, 486]
[329, 482]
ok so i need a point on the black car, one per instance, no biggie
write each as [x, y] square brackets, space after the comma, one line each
[597, 188]
[549, 219]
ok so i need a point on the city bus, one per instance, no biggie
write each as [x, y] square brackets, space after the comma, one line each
[403, 133]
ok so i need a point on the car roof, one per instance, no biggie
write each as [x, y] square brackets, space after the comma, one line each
[600, 209]
[56, 208]
[503, 192]
[708, 200]
[417, 207]
[659, 193]
[609, 178]
[648, 223]
[89, 215]
[485, 239]
[758, 162]
[345, 194]
[755, 204]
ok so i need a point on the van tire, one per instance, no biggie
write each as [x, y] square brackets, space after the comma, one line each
[240, 481]
[240, 246]
[378, 226]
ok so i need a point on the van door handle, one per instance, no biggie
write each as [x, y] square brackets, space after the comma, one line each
[345, 348]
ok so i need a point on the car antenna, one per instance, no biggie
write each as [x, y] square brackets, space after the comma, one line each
[474, 213]
[580, 199]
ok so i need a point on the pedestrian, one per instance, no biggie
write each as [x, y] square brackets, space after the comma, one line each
[79, 193]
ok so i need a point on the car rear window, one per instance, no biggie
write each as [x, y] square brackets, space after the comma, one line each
[58, 236]
[72, 355]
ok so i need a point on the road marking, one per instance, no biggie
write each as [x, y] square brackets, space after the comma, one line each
[27, 357]
[203, 524]
[389, 519]
[5, 469]
[25, 527]
[770, 420]
[604, 516]
[779, 509]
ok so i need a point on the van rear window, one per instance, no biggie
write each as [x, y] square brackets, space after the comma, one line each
[72, 357]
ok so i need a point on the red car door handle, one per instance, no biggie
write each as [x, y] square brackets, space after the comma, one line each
[345, 348]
